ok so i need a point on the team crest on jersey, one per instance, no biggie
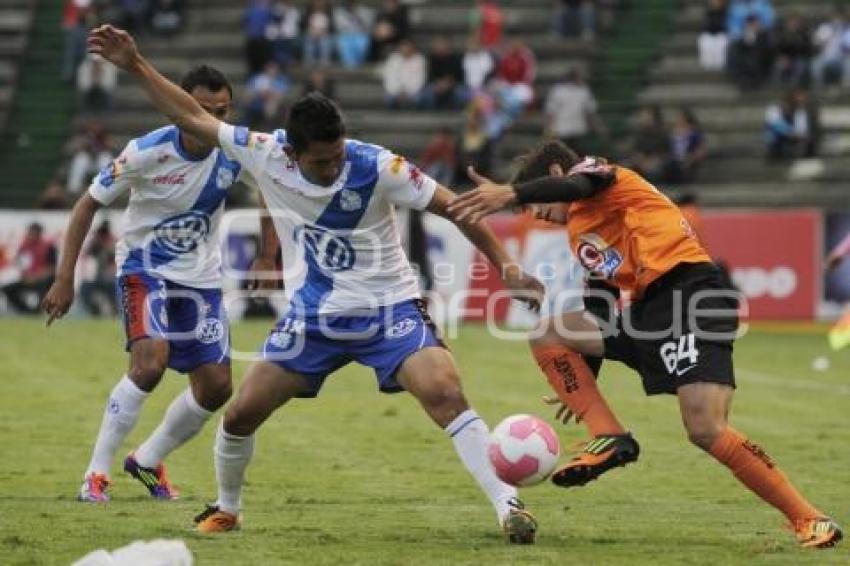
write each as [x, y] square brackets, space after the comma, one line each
[210, 331]
[597, 256]
[282, 340]
[349, 200]
[224, 178]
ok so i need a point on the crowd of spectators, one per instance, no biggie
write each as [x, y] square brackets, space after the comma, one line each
[754, 45]
[666, 152]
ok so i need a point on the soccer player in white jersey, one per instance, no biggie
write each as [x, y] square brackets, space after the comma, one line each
[169, 282]
[353, 295]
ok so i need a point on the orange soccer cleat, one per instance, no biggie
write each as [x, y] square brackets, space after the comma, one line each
[597, 457]
[213, 520]
[821, 532]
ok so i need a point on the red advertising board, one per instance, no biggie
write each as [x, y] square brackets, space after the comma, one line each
[774, 257]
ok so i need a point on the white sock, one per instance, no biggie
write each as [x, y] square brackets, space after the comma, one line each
[183, 420]
[232, 454]
[119, 418]
[470, 436]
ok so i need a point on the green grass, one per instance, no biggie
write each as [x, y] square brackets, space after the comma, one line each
[360, 478]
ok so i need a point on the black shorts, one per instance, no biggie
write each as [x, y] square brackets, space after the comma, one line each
[681, 331]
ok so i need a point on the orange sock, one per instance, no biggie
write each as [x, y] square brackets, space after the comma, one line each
[572, 380]
[753, 468]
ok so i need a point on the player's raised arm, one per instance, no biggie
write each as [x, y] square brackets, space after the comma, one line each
[489, 197]
[118, 47]
[58, 299]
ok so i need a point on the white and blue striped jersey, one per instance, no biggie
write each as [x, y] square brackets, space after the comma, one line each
[341, 246]
[170, 226]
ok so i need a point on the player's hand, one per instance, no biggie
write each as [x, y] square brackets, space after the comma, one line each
[488, 197]
[58, 299]
[263, 275]
[563, 414]
[524, 287]
[113, 44]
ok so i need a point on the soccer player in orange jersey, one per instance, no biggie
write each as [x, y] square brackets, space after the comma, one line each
[677, 331]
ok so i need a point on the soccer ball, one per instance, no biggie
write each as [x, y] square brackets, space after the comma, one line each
[524, 450]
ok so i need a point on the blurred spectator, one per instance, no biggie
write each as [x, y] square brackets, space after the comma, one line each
[404, 75]
[517, 67]
[167, 16]
[570, 111]
[131, 14]
[687, 148]
[265, 94]
[96, 82]
[318, 31]
[832, 47]
[258, 47]
[476, 147]
[751, 55]
[36, 261]
[487, 22]
[90, 152]
[792, 127]
[649, 148]
[283, 33]
[575, 18]
[714, 41]
[54, 196]
[319, 81]
[391, 26]
[445, 87]
[478, 65]
[76, 20]
[439, 158]
[742, 10]
[98, 293]
[793, 50]
[353, 23]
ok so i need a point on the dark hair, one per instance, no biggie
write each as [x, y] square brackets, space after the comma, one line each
[207, 77]
[535, 163]
[313, 117]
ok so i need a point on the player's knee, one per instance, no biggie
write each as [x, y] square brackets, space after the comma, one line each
[215, 391]
[703, 432]
[147, 372]
[238, 422]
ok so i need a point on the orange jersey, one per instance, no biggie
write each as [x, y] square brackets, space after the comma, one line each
[630, 233]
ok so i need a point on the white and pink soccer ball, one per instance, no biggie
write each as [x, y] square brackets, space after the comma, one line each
[524, 450]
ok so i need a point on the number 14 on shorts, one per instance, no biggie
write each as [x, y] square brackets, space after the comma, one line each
[680, 356]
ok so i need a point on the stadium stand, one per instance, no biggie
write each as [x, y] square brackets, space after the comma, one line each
[16, 18]
[736, 172]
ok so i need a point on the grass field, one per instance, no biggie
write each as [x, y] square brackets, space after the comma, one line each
[360, 478]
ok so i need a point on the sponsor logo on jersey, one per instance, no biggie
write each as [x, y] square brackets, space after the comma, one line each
[182, 233]
[241, 136]
[349, 200]
[330, 251]
[109, 173]
[416, 176]
[224, 178]
[210, 331]
[597, 256]
[172, 179]
[401, 328]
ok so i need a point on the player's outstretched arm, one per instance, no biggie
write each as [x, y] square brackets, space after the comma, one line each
[118, 47]
[489, 197]
[526, 288]
[58, 299]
